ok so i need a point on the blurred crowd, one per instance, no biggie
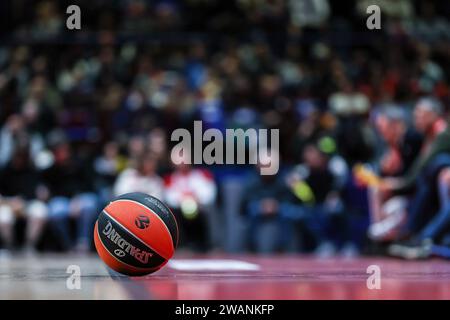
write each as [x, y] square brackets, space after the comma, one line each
[364, 145]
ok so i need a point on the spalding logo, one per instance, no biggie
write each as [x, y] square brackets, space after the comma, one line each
[142, 222]
[119, 253]
[115, 237]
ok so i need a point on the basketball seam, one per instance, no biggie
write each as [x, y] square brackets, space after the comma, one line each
[133, 235]
[143, 205]
[115, 258]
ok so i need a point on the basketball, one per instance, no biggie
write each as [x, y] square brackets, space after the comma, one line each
[136, 234]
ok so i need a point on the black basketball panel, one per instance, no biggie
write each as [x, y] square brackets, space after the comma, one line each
[124, 246]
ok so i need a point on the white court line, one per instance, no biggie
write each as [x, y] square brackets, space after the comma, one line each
[214, 265]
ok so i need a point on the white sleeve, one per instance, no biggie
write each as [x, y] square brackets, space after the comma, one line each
[123, 183]
[205, 189]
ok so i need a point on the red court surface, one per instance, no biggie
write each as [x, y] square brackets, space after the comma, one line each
[227, 277]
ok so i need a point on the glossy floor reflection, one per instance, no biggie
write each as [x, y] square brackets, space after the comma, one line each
[226, 277]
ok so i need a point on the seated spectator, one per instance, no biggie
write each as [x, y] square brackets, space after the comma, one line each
[402, 146]
[315, 206]
[14, 133]
[191, 193]
[402, 143]
[261, 204]
[69, 184]
[433, 157]
[21, 196]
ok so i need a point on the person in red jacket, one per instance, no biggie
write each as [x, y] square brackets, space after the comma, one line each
[191, 193]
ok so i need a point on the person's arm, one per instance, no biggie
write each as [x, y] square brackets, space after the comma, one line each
[204, 188]
[407, 182]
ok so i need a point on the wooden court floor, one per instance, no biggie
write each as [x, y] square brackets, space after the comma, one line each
[225, 277]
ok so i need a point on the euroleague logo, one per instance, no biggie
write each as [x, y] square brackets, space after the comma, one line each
[142, 222]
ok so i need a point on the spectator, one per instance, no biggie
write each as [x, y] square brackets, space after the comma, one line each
[423, 173]
[402, 146]
[69, 183]
[142, 178]
[21, 196]
[315, 206]
[191, 192]
[13, 135]
[262, 205]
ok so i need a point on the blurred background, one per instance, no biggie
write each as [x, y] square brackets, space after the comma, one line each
[86, 115]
